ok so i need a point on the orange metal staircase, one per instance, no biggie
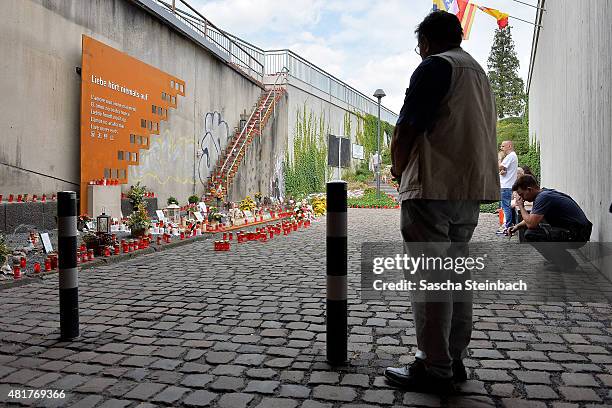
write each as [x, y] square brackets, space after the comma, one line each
[228, 163]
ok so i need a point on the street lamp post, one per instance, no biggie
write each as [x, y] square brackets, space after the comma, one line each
[379, 94]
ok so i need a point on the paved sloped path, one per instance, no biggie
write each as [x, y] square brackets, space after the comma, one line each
[192, 327]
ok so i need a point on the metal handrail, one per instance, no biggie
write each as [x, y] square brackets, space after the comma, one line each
[244, 129]
[369, 105]
[253, 66]
[275, 86]
[256, 62]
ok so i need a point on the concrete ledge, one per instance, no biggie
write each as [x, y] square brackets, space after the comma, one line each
[107, 261]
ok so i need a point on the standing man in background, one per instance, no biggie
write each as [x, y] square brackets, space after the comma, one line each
[445, 150]
[507, 177]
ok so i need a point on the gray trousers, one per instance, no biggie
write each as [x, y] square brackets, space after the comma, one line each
[443, 328]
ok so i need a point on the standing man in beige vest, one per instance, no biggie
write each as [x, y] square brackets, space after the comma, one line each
[444, 150]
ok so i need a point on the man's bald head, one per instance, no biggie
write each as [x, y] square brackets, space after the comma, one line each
[506, 146]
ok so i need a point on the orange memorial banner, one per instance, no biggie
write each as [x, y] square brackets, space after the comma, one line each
[123, 101]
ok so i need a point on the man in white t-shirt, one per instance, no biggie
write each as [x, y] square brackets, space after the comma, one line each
[507, 177]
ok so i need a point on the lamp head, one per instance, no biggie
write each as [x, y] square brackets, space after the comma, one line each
[379, 93]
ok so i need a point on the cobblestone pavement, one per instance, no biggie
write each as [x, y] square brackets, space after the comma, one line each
[192, 327]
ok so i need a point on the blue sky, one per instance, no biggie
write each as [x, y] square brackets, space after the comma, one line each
[366, 43]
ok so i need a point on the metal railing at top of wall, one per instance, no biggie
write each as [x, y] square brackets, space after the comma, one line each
[305, 71]
[314, 76]
[257, 62]
[251, 65]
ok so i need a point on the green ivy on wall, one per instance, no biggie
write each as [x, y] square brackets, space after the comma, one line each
[367, 137]
[305, 171]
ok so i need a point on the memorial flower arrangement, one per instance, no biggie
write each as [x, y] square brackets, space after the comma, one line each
[4, 250]
[247, 204]
[82, 221]
[136, 195]
[139, 221]
[319, 205]
[214, 215]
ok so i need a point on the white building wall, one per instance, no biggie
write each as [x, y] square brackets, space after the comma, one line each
[570, 106]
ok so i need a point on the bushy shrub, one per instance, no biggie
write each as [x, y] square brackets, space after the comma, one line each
[516, 129]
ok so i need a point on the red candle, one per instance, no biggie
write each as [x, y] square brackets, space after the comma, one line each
[47, 265]
[22, 262]
[116, 249]
[10, 199]
[16, 272]
[36, 267]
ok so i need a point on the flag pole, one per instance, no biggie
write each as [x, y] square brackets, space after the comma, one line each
[525, 21]
[530, 5]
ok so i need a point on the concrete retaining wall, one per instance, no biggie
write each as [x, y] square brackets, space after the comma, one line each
[40, 41]
[570, 107]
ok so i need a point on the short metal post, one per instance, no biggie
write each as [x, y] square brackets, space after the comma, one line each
[68, 272]
[336, 312]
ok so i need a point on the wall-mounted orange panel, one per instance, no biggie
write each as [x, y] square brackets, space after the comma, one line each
[123, 101]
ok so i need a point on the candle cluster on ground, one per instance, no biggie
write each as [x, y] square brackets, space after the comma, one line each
[263, 234]
[26, 198]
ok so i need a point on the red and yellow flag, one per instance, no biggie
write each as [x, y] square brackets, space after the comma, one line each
[502, 18]
[467, 11]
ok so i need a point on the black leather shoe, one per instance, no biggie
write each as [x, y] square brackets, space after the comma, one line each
[416, 378]
[459, 371]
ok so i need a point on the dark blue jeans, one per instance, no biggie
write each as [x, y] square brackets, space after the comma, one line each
[506, 198]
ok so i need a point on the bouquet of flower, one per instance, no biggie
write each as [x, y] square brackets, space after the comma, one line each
[319, 205]
[247, 204]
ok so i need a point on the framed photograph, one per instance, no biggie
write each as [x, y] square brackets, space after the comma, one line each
[46, 241]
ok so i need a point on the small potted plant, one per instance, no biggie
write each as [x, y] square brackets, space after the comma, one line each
[136, 195]
[4, 251]
[139, 221]
[193, 199]
[258, 197]
[91, 241]
[172, 200]
[82, 222]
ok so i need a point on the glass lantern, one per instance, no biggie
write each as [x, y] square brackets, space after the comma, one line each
[103, 223]
[173, 213]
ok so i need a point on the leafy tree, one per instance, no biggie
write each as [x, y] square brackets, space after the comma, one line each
[503, 66]
[517, 130]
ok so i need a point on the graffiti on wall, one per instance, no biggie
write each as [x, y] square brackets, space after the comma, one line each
[276, 184]
[162, 162]
[215, 136]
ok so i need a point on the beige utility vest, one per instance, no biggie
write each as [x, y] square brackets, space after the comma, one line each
[457, 158]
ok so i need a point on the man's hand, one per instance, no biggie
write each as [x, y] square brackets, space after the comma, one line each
[520, 202]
